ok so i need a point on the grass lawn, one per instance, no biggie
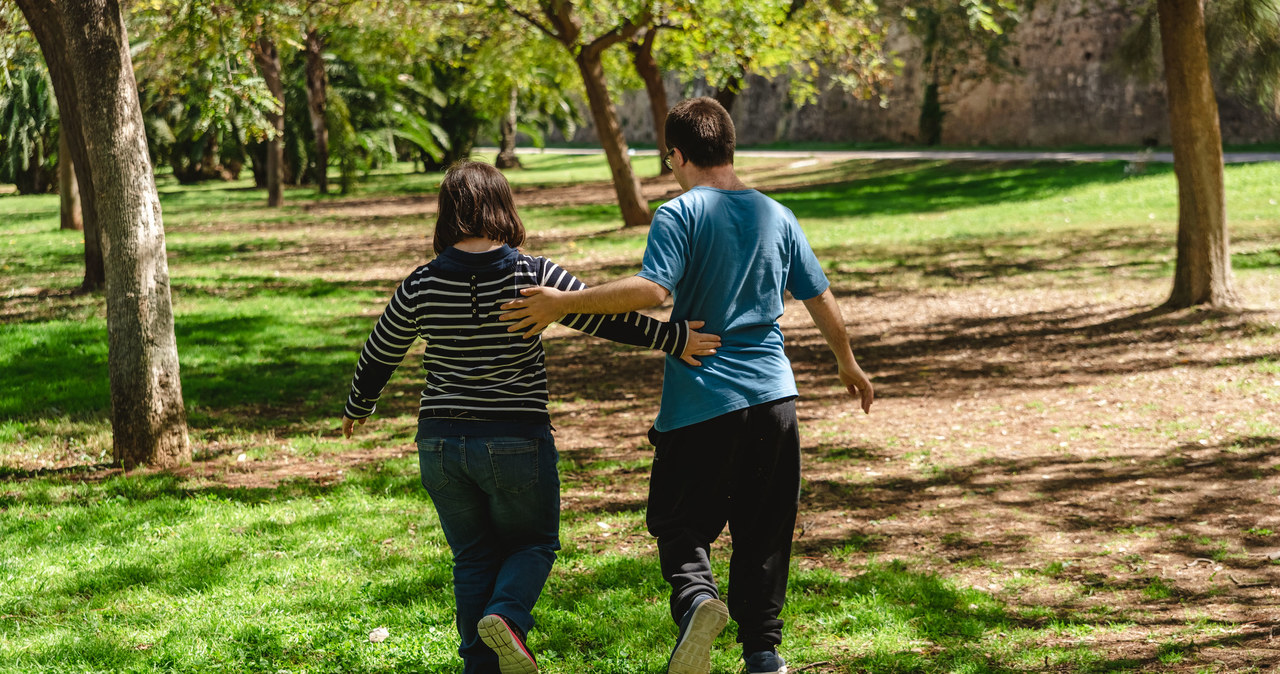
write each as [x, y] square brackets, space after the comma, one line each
[1055, 476]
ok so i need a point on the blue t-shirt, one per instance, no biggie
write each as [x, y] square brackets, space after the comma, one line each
[727, 256]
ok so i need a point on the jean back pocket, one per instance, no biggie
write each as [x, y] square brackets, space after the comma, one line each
[431, 463]
[514, 462]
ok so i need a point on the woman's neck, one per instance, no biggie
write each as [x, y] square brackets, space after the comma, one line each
[477, 245]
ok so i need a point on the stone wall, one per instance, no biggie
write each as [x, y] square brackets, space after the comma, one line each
[1067, 91]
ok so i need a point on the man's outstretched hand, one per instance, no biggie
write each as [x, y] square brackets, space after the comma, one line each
[539, 308]
[699, 344]
[858, 384]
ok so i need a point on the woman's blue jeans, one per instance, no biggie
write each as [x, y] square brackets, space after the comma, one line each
[498, 499]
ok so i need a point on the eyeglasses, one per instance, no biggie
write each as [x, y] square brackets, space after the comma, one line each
[666, 158]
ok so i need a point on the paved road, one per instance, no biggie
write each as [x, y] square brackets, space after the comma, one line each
[981, 155]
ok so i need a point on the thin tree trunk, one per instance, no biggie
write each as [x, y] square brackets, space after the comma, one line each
[635, 210]
[268, 60]
[1202, 274]
[67, 187]
[45, 23]
[317, 96]
[728, 94]
[149, 423]
[507, 158]
[647, 68]
[931, 113]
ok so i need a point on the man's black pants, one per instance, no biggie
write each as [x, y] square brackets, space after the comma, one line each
[742, 468]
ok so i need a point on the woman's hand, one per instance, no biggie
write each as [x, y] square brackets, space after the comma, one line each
[349, 425]
[699, 344]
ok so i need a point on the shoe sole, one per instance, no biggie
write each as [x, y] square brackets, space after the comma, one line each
[693, 653]
[513, 658]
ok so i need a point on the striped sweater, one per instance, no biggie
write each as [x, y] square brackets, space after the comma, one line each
[475, 369]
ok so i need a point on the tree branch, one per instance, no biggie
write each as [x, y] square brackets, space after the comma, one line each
[531, 20]
[621, 33]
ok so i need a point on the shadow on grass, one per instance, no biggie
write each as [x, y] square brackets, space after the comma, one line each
[609, 610]
[1195, 483]
[230, 365]
[888, 187]
[26, 217]
[1092, 254]
[392, 247]
[958, 355]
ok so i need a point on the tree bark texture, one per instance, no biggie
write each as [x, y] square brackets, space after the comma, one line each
[317, 96]
[148, 420]
[507, 158]
[267, 57]
[1202, 274]
[566, 28]
[46, 25]
[68, 188]
[728, 94]
[635, 210]
[647, 68]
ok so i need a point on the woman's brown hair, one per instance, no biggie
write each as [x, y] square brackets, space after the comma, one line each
[475, 201]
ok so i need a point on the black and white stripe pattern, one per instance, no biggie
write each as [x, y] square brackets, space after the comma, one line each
[474, 367]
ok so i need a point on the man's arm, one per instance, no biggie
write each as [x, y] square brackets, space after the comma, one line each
[826, 315]
[544, 305]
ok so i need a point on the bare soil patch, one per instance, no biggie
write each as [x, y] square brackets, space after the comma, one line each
[1104, 465]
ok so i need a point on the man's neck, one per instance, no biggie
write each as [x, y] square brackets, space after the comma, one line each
[719, 177]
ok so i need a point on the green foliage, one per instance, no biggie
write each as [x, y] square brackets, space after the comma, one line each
[201, 93]
[196, 143]
[546, 80]
[28, 125]
[815, 43]
[1243, 37]
[968, 39]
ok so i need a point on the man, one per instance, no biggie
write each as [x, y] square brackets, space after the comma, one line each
[727, 444]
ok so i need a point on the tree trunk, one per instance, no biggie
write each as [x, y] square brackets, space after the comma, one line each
[257, 153]
[317, 93]
[635, 210]
[1203, 270]
[67, 186]
[148, 421]
[647, 68]
[507, 158]
[931, 112]
[728, 94]
[46, 25]
[930, 126]
[268, 60]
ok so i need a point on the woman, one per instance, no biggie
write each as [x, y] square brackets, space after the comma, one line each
[485, 449]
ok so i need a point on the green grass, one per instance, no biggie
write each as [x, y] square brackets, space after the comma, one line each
[151, 572]
[160, 572]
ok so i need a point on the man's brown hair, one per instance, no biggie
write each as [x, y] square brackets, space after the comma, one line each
[475, 201]
[703, 132]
